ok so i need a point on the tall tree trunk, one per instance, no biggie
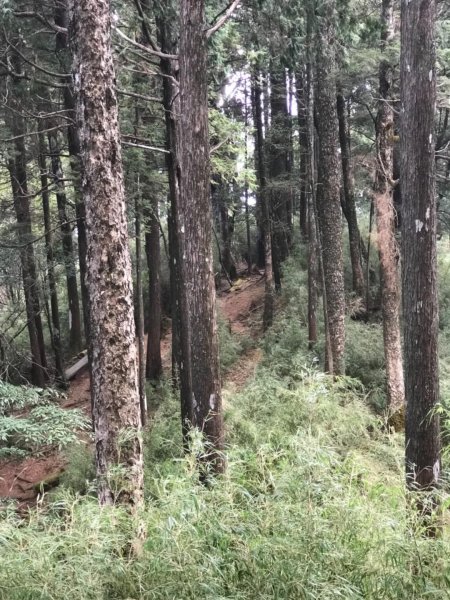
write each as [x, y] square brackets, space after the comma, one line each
[140, 307]
[328, 196]
[64, 55]
[348, 204]
[195, 225]
[246, 190]
[269, 293]
[226, 229]
[153, 253]
[76, 341]
[54, 305]
[420, 300]
[302, 104]
[115, 390]
[19, 184]
[171, 113]
[27, 259]
[387, 245]
[309, 170]
[277, 160]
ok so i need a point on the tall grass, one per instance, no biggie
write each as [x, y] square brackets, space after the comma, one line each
[313, 506]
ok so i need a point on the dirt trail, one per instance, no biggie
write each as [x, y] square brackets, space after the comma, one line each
[240, 306]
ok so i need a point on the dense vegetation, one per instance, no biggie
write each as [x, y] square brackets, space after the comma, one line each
[224, 299]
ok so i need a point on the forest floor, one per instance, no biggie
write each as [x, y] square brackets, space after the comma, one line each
[240, 306]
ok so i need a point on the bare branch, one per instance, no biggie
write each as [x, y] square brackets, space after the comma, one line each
[221, 20]
[145, 49]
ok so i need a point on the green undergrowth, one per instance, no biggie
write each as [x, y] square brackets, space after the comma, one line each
[31, 421]
[312, 506]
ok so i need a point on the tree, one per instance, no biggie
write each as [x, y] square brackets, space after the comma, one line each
[420, 301]
[201, 367]
[328, 193]
[115, 390]
[269, 292]
[385, 214]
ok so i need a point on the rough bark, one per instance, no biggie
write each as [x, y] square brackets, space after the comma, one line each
[388, 250]
[195, 225]
[328, 195]
[115, 390]
[348, 203]
[269, 293]
[420, 300]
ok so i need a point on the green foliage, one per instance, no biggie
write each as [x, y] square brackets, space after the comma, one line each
[14, 397]
[44, 427]
[39, 425]
[313, 505]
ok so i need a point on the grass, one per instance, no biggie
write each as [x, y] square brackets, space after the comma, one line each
[313, 506]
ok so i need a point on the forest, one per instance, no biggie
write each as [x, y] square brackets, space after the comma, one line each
[224, 299]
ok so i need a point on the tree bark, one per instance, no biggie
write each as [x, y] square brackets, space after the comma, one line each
[153, 253]
[76, 338]
[420, 300]
[328, 195]
[269, 293]
[140, 308]
[64, 55]
[385, 215]
[195, 229]
[115, 389]
[348, 204]
[51, 275]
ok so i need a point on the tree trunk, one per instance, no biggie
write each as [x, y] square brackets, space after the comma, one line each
[302, 104]
[54, 305]
[269, 293]
[195, 229]
[328, 196]
[153, 253]
[171, 112]
[19, 184]
[348, 204]
[76, 341]
[115, 389]
[420, 300]
[385, 215]
[140, 308]
[65, 58]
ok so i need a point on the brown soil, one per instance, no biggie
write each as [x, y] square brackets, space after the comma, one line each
[240, 306]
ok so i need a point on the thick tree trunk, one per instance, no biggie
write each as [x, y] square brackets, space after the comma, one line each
[115, 389]
[269, 293]
[328, 196]
[194, 230]
[420, 299]
[51, 276]
[387, 245]
[76, 341]
[153, 253]
[348, 204]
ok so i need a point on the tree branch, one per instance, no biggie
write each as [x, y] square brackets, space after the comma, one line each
[222, 18]
[145, 49]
